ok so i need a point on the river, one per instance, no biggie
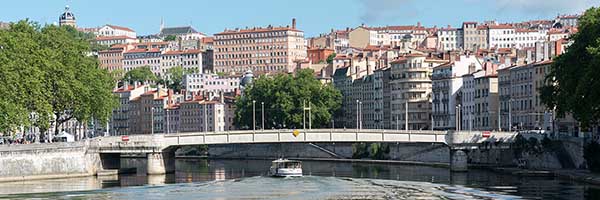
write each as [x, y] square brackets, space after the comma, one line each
[246, 179]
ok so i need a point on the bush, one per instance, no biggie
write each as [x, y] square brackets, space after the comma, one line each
[591, 154]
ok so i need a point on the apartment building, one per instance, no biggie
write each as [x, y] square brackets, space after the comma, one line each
[201, 115]
[187, 59]
[501, 36]
[120, 117]
[411, 91]
[135, 58]
[261, 50]
[146, 114]
[479, 108]
[450, 39]
[447, 86]
[209, 84]
[112, 30]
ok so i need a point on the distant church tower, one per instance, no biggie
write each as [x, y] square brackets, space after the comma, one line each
[67, 18]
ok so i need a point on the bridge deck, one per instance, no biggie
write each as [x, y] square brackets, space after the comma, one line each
[159, 142]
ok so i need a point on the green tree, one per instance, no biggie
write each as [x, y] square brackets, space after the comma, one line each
[330, 58]
[284, 96]
[175, 77]
[572, 84]
[22, 89]
[140, 74]
[170, 38]
[48, 78]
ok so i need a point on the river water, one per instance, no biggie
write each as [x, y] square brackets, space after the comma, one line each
[246, 179]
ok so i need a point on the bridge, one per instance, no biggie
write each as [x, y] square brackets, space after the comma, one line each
[160, 148]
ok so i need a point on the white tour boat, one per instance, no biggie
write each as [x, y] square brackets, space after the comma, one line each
[285, 167]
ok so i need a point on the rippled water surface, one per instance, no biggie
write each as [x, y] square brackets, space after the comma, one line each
[246, 179]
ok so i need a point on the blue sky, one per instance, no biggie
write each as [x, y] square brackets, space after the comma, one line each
[313, 16]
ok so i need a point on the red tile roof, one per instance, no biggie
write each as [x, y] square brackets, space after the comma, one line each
[208, 40]
[257, 30]
[399, 60]
[120, 37]
[501, 26]
[120, 28]
[190, 51]
[525, 30]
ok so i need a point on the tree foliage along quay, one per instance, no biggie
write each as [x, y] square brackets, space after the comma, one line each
[574, 79]
[283, 96]
[48, 78]
[140, 74]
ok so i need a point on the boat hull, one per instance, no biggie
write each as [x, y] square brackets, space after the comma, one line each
[283, 172]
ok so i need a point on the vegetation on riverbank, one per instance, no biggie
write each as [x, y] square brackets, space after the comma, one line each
[284, 96]
[572, 85]
[378, 151]
[49, 77]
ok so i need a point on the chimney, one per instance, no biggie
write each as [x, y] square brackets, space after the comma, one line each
[449, 26]
[418, 24]
[169, 96]
[293, 23]
[222, 97]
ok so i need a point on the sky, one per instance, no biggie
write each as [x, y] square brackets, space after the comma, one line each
[313, 16]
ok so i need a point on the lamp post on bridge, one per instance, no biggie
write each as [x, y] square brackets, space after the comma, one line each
[253, 115]
[510, 114]
[360, 115]
[406, 116]
[263, 115]
[152, 120]
[304, 109]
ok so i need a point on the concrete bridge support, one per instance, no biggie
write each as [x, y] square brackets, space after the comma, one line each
[110, 161]
[458, 161]
[161, 162]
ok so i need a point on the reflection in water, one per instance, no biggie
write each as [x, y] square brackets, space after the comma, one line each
[235, 179]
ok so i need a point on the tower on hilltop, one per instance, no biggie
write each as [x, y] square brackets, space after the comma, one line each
[67, 18]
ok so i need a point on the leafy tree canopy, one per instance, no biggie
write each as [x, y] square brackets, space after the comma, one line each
[47, 77]
[573, 82]
[170, 38]
[283, 96]
[140, 74]
[175, 77]
[330, 58]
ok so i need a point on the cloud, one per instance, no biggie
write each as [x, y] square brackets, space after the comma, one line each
[375, 11]
[545, 7]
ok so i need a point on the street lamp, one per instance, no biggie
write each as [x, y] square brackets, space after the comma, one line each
[406, 116]
[205, 119]
[360, 114]
[263, 115]
[254, 115]
[510, 114]
[152, 120]
[167, 121]
[357, 109]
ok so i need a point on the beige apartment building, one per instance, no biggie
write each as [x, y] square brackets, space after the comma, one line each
[411, 85]
[201, 116]
[261, 50]
[146, 112]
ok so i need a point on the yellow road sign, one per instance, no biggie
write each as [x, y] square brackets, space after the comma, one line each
[296, 133]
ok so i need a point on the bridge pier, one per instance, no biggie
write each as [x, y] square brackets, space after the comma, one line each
[161, 162]
[110, 161]
[458, 160]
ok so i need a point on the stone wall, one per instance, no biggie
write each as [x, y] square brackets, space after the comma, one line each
[32, 162]
[421, 152]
